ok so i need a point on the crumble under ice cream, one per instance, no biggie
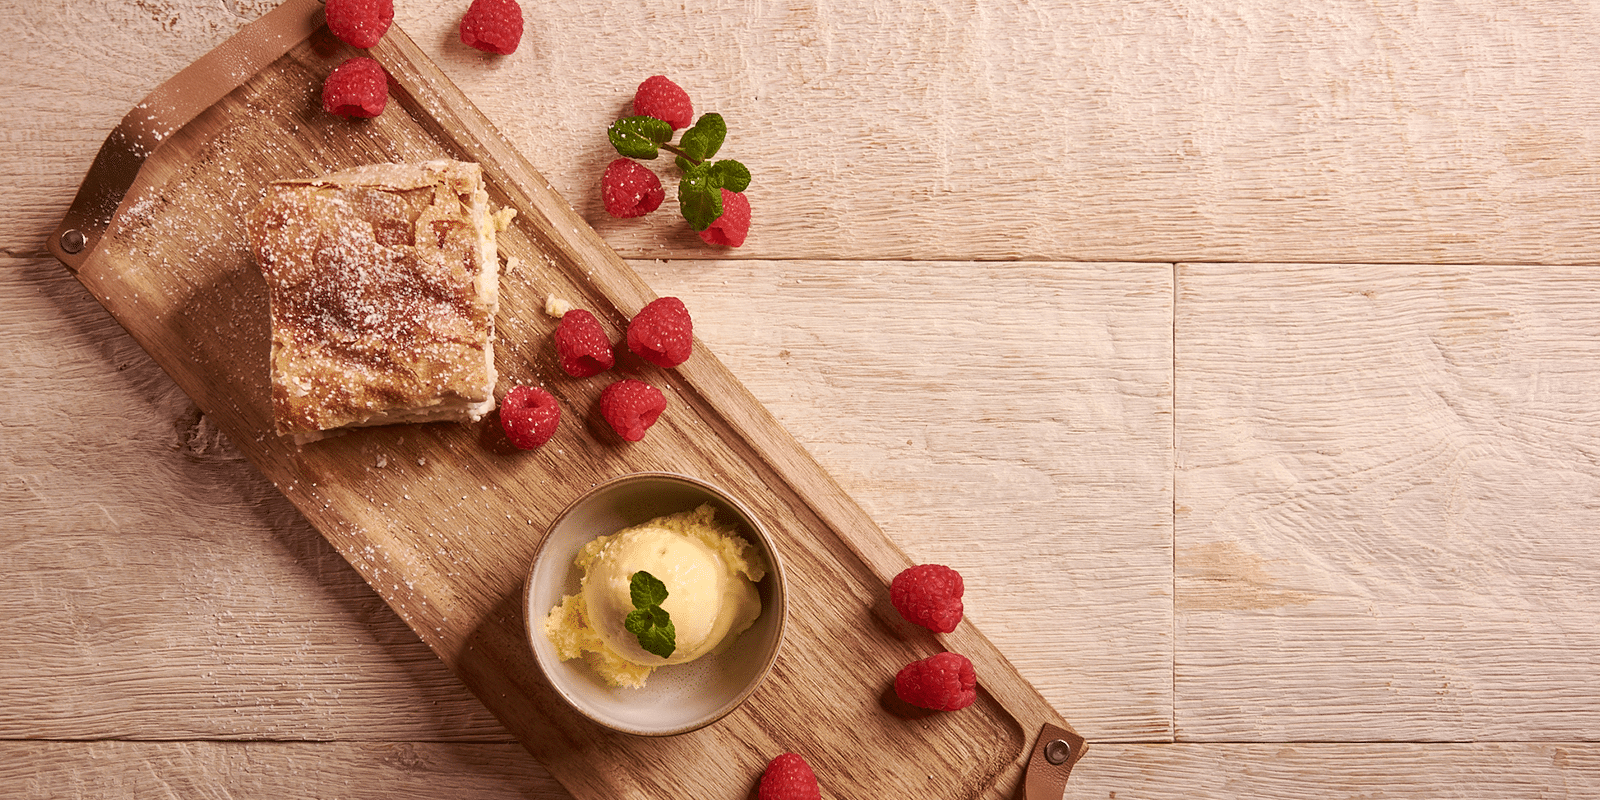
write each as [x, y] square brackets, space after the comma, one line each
[710, 574]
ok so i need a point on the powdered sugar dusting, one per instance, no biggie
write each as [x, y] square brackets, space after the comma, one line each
[381, 306]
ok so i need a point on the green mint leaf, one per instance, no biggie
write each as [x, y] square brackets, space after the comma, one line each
[653, 626]
[637, 622]
[730, 175]
[648, 620]
[699, 197]
[646, 590]
[639, 137]
[704, 139]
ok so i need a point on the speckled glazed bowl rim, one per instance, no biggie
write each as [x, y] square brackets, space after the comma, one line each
[670, 690]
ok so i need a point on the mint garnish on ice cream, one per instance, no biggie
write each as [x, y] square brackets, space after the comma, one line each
[648, 620]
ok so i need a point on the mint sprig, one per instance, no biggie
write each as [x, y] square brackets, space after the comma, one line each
[648, 620]
[700, 187]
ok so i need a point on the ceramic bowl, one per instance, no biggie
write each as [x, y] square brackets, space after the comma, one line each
[678, 698]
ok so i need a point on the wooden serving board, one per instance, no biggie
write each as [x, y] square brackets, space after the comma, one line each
[442, 520]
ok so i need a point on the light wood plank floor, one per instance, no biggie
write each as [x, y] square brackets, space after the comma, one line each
[1244, 356]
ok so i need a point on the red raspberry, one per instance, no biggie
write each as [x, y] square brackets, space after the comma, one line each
[929, 595]
[529, 416]
[359, 23]
[661, 333]
[357, 88]
[631, 407]
[789, 777]
[493, 26]
[630, 189]
[730, 229]
[583, 345]
[667, 101]
[945, 682]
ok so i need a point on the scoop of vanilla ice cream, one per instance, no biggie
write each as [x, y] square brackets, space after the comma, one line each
[710, 574]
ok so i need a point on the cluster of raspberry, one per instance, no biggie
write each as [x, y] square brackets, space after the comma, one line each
[928, 595]
[661, 334]
[359, 87]
[710, 192]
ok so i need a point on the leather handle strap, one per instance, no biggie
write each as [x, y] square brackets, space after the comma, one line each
[170, 107]
[1054, 753]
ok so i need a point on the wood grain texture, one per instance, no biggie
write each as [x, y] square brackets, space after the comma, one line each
[1354, 771]
[1384, 484]
[155, 585]
[240, 770]
[1388, 490]
[73, 70]
[251, 770]
[1432, 132]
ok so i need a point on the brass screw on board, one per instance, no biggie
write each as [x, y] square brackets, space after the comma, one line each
[1058, 751]
[73, 241]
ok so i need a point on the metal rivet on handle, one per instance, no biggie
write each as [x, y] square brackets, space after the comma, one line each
[73, 241]
[1058, 751]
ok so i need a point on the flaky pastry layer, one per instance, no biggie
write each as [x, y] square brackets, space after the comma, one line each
[383, 283]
